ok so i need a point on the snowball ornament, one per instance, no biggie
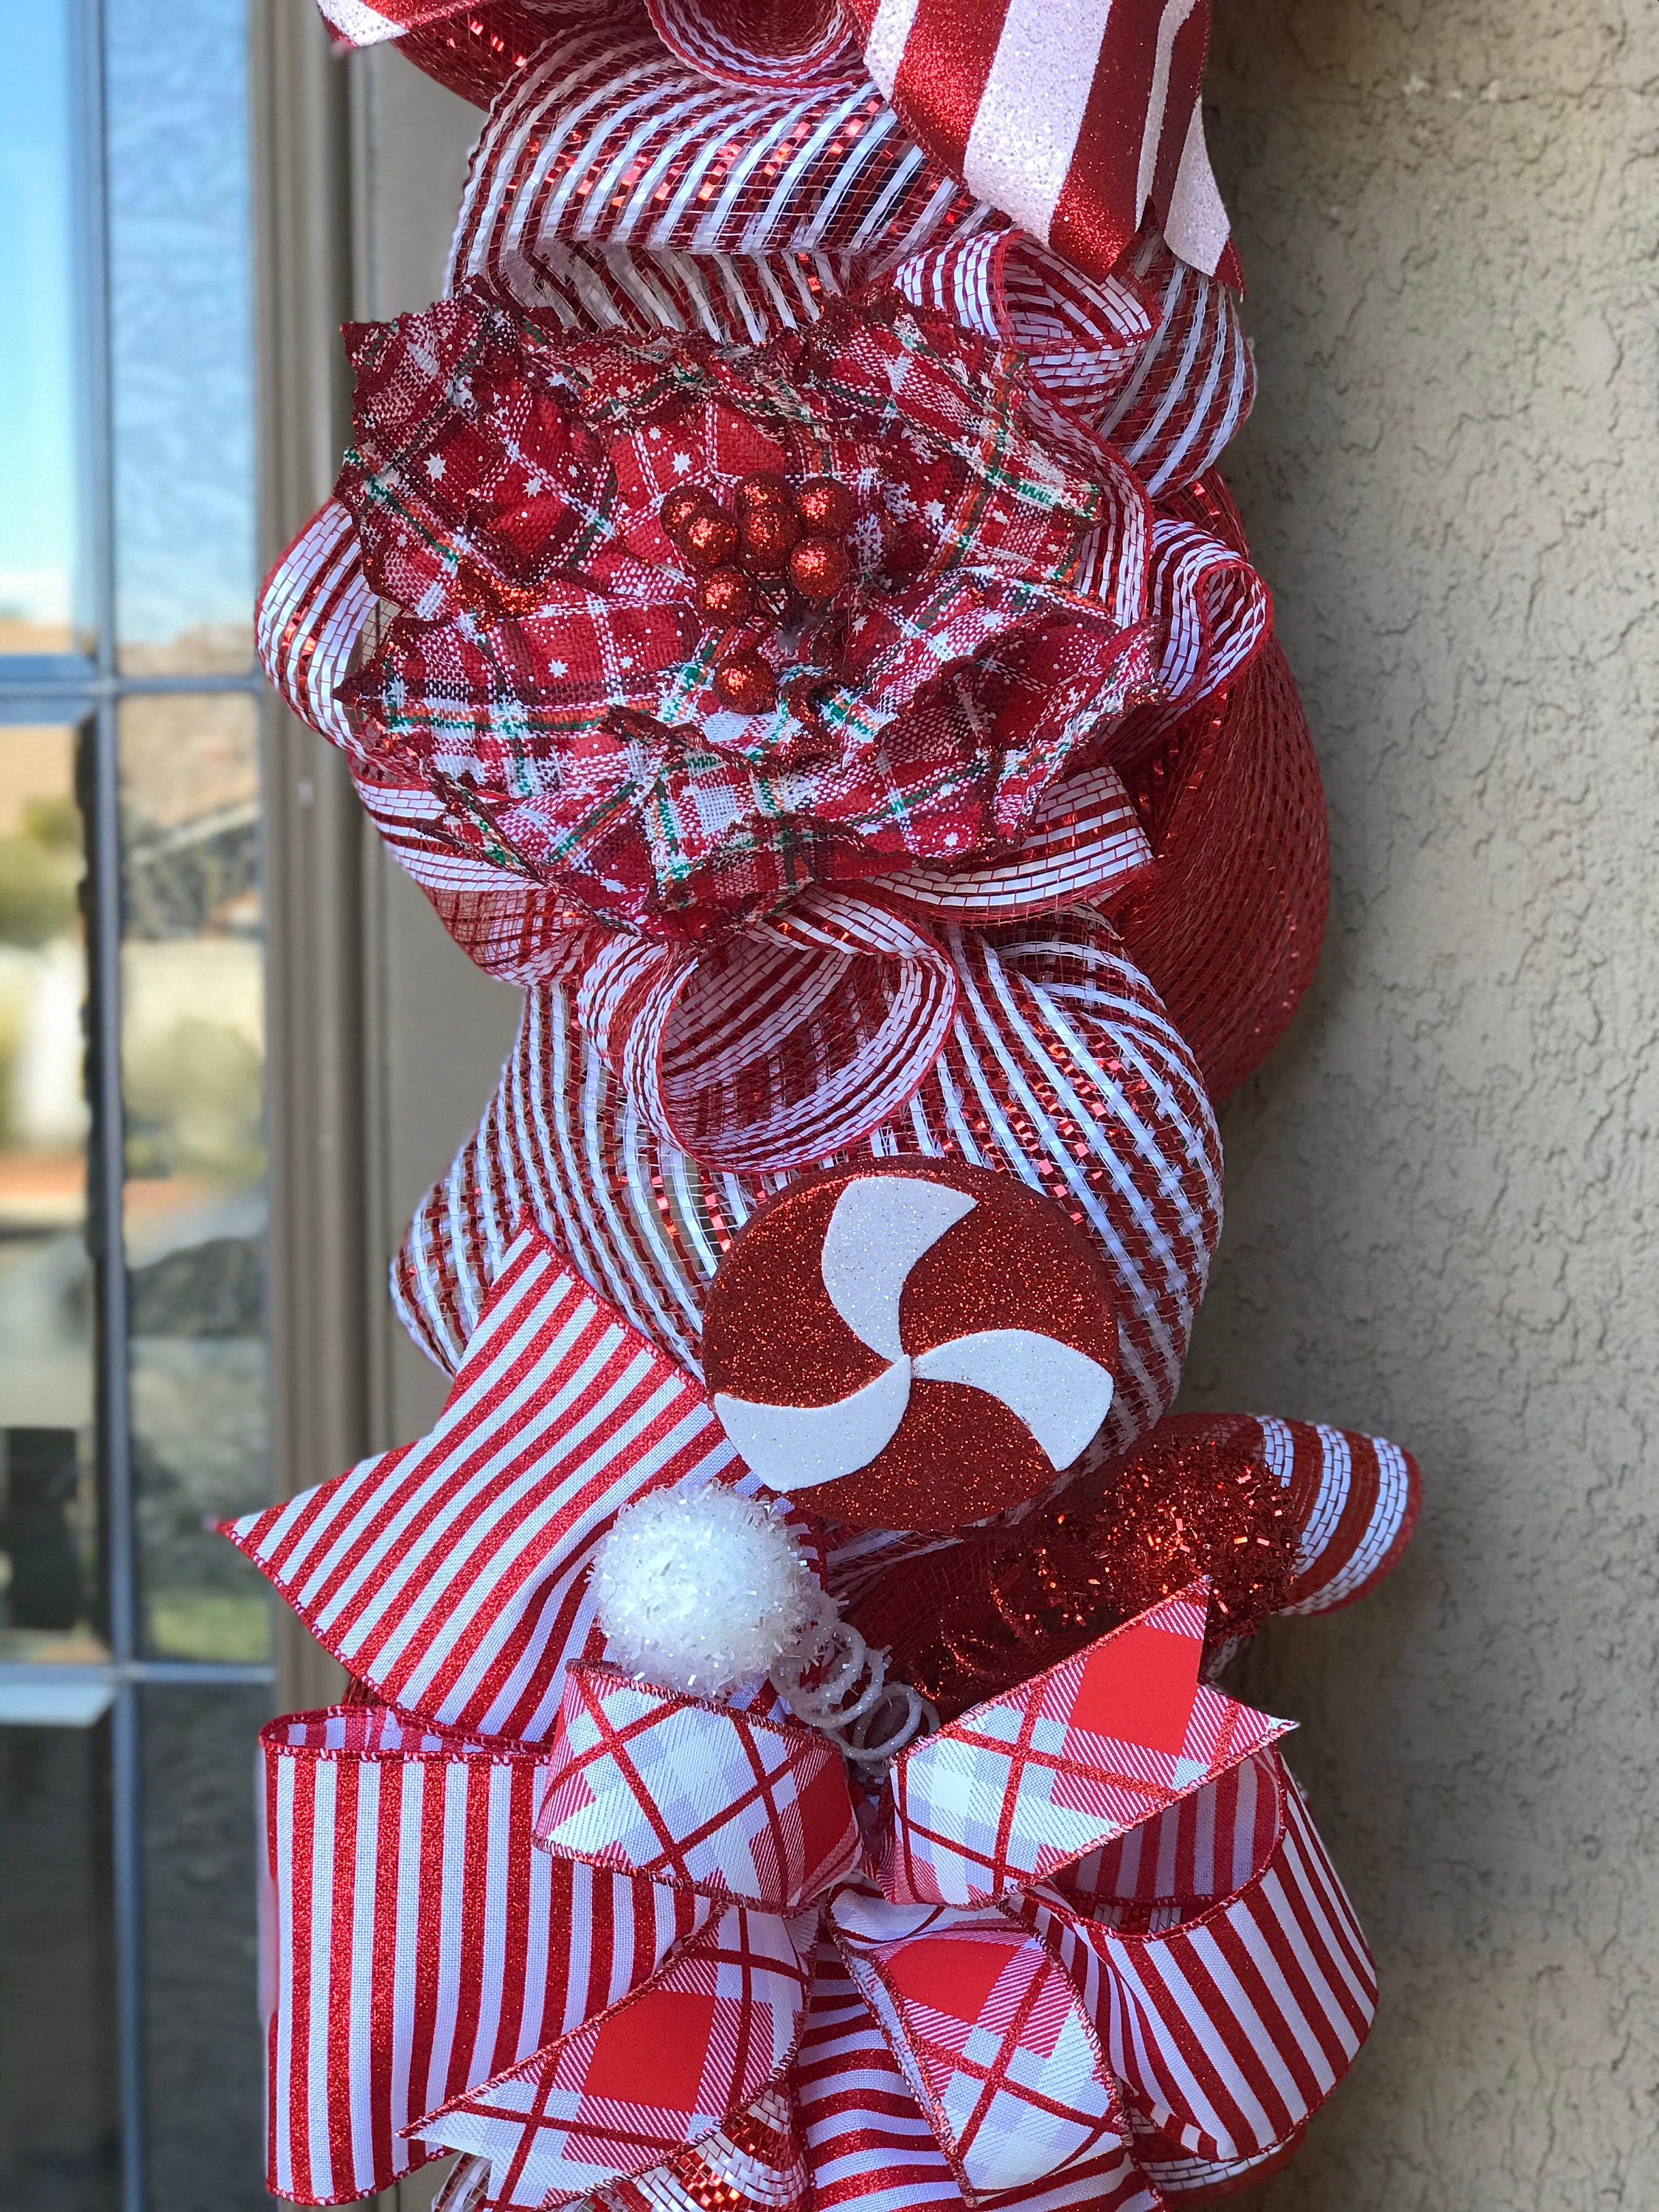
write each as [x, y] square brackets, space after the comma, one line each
[701, 1590]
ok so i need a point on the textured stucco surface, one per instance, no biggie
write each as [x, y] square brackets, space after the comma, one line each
[1441, 1187]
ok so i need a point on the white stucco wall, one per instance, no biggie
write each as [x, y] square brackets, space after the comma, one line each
[1440, 1188]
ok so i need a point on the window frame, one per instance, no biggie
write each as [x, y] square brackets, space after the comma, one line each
[312, 864]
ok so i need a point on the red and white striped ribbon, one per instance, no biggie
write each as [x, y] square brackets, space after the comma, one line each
[1152, 360]
[417, 1941]
[1071, 118]
[310, 614]
[1354, 1498]
[606, 139]
[1086, 839]
[424, 1957]
[1192, 386]
[421, 1948]
[829, 1014]
[1278, 1972]
[1082, 338]
[805, 42]
[450, 1574]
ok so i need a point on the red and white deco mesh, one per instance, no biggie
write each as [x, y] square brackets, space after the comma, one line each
[1060, 1066]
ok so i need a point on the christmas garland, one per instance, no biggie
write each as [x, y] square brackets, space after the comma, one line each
[781, 608]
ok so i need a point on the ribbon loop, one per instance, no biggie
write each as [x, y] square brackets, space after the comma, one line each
[791, 47]
[698, 1796]
[389, 1852]
[1030, 1783]
[605, 140]
[783, 1046]
[1085, 842]
[1229, 2018]
[991, 2036]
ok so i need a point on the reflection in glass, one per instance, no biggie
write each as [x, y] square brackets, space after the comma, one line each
[39, 494]
[181, 293]
[193, 1075]
[47, 1511]
[58, 2141]
[203, 2045]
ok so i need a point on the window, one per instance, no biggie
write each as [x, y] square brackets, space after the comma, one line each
[135, 1647]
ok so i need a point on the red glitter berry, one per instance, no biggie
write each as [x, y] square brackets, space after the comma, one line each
[708, 538]
[726, 595]
[818, 567]
[679, 506]
[826, 506]
[769, 535]
[744, 681]
[765, 488]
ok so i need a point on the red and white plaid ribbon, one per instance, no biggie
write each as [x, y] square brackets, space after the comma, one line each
[1030, 2032]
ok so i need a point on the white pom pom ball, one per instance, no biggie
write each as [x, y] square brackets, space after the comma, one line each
[701, 1590]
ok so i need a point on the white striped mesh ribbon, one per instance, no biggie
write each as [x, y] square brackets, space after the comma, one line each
[1086, 839]
[1060, 1067]
[811, 1028]
[1071, 118]
[607, 140]
[1188, 392]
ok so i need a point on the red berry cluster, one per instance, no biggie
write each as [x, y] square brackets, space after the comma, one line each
[777, 541]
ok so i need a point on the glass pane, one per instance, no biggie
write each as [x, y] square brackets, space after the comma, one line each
[205, 2060]
[58, 2143]
[192, 983]
[47, 1512]
[39, 510]
[181, 299]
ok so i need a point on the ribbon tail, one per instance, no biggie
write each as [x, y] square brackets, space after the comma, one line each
[657, 2076]
[990, 2037]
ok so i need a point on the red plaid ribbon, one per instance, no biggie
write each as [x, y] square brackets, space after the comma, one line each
[1000, 2030]
[1030, 1783]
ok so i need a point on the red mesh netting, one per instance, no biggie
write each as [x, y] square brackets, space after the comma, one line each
[1228, 924]
[475, 51]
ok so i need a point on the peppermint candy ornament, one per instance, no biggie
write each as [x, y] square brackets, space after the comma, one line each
[910, 1345]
